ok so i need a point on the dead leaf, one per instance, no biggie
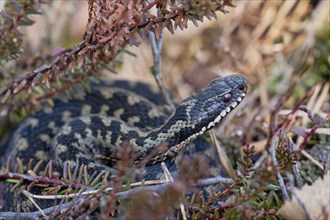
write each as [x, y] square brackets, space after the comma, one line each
[316, 199]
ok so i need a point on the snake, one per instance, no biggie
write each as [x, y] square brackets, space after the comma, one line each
[91, 126]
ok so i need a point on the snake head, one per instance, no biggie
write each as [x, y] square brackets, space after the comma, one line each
[207, 107]
[197, 114]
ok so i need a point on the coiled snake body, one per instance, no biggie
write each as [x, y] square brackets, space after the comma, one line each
[90, 127]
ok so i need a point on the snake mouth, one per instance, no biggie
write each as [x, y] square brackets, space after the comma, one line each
[224, 112]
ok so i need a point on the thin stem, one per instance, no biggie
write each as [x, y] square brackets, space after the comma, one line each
[156, 47]
[272, 151]
[300, 202]
[162, 186]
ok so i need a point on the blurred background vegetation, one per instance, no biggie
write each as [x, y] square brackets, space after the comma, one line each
[281, 47]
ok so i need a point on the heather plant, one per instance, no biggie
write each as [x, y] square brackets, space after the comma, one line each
[267, 151]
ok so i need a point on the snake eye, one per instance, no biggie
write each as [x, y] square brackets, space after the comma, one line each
[241, 87]
[226, 97]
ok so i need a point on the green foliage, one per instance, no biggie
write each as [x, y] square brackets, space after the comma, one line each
[14, 15]
[255, 193]
[321, 65]
[285, 157]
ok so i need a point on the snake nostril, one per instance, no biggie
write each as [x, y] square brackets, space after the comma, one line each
[241, 87]
[226, 97]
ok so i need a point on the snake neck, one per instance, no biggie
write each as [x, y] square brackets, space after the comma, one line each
[168, 140]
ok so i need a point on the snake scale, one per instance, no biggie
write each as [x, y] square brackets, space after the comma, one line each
[91, 126]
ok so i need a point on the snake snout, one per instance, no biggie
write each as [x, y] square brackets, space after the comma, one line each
[200, 112]
[218, 99]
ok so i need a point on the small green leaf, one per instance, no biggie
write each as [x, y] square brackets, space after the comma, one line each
[12, 180]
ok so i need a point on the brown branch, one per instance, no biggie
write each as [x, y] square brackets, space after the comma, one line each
[316, 124]
[38, 179]
[97, 43]
[119, 195]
